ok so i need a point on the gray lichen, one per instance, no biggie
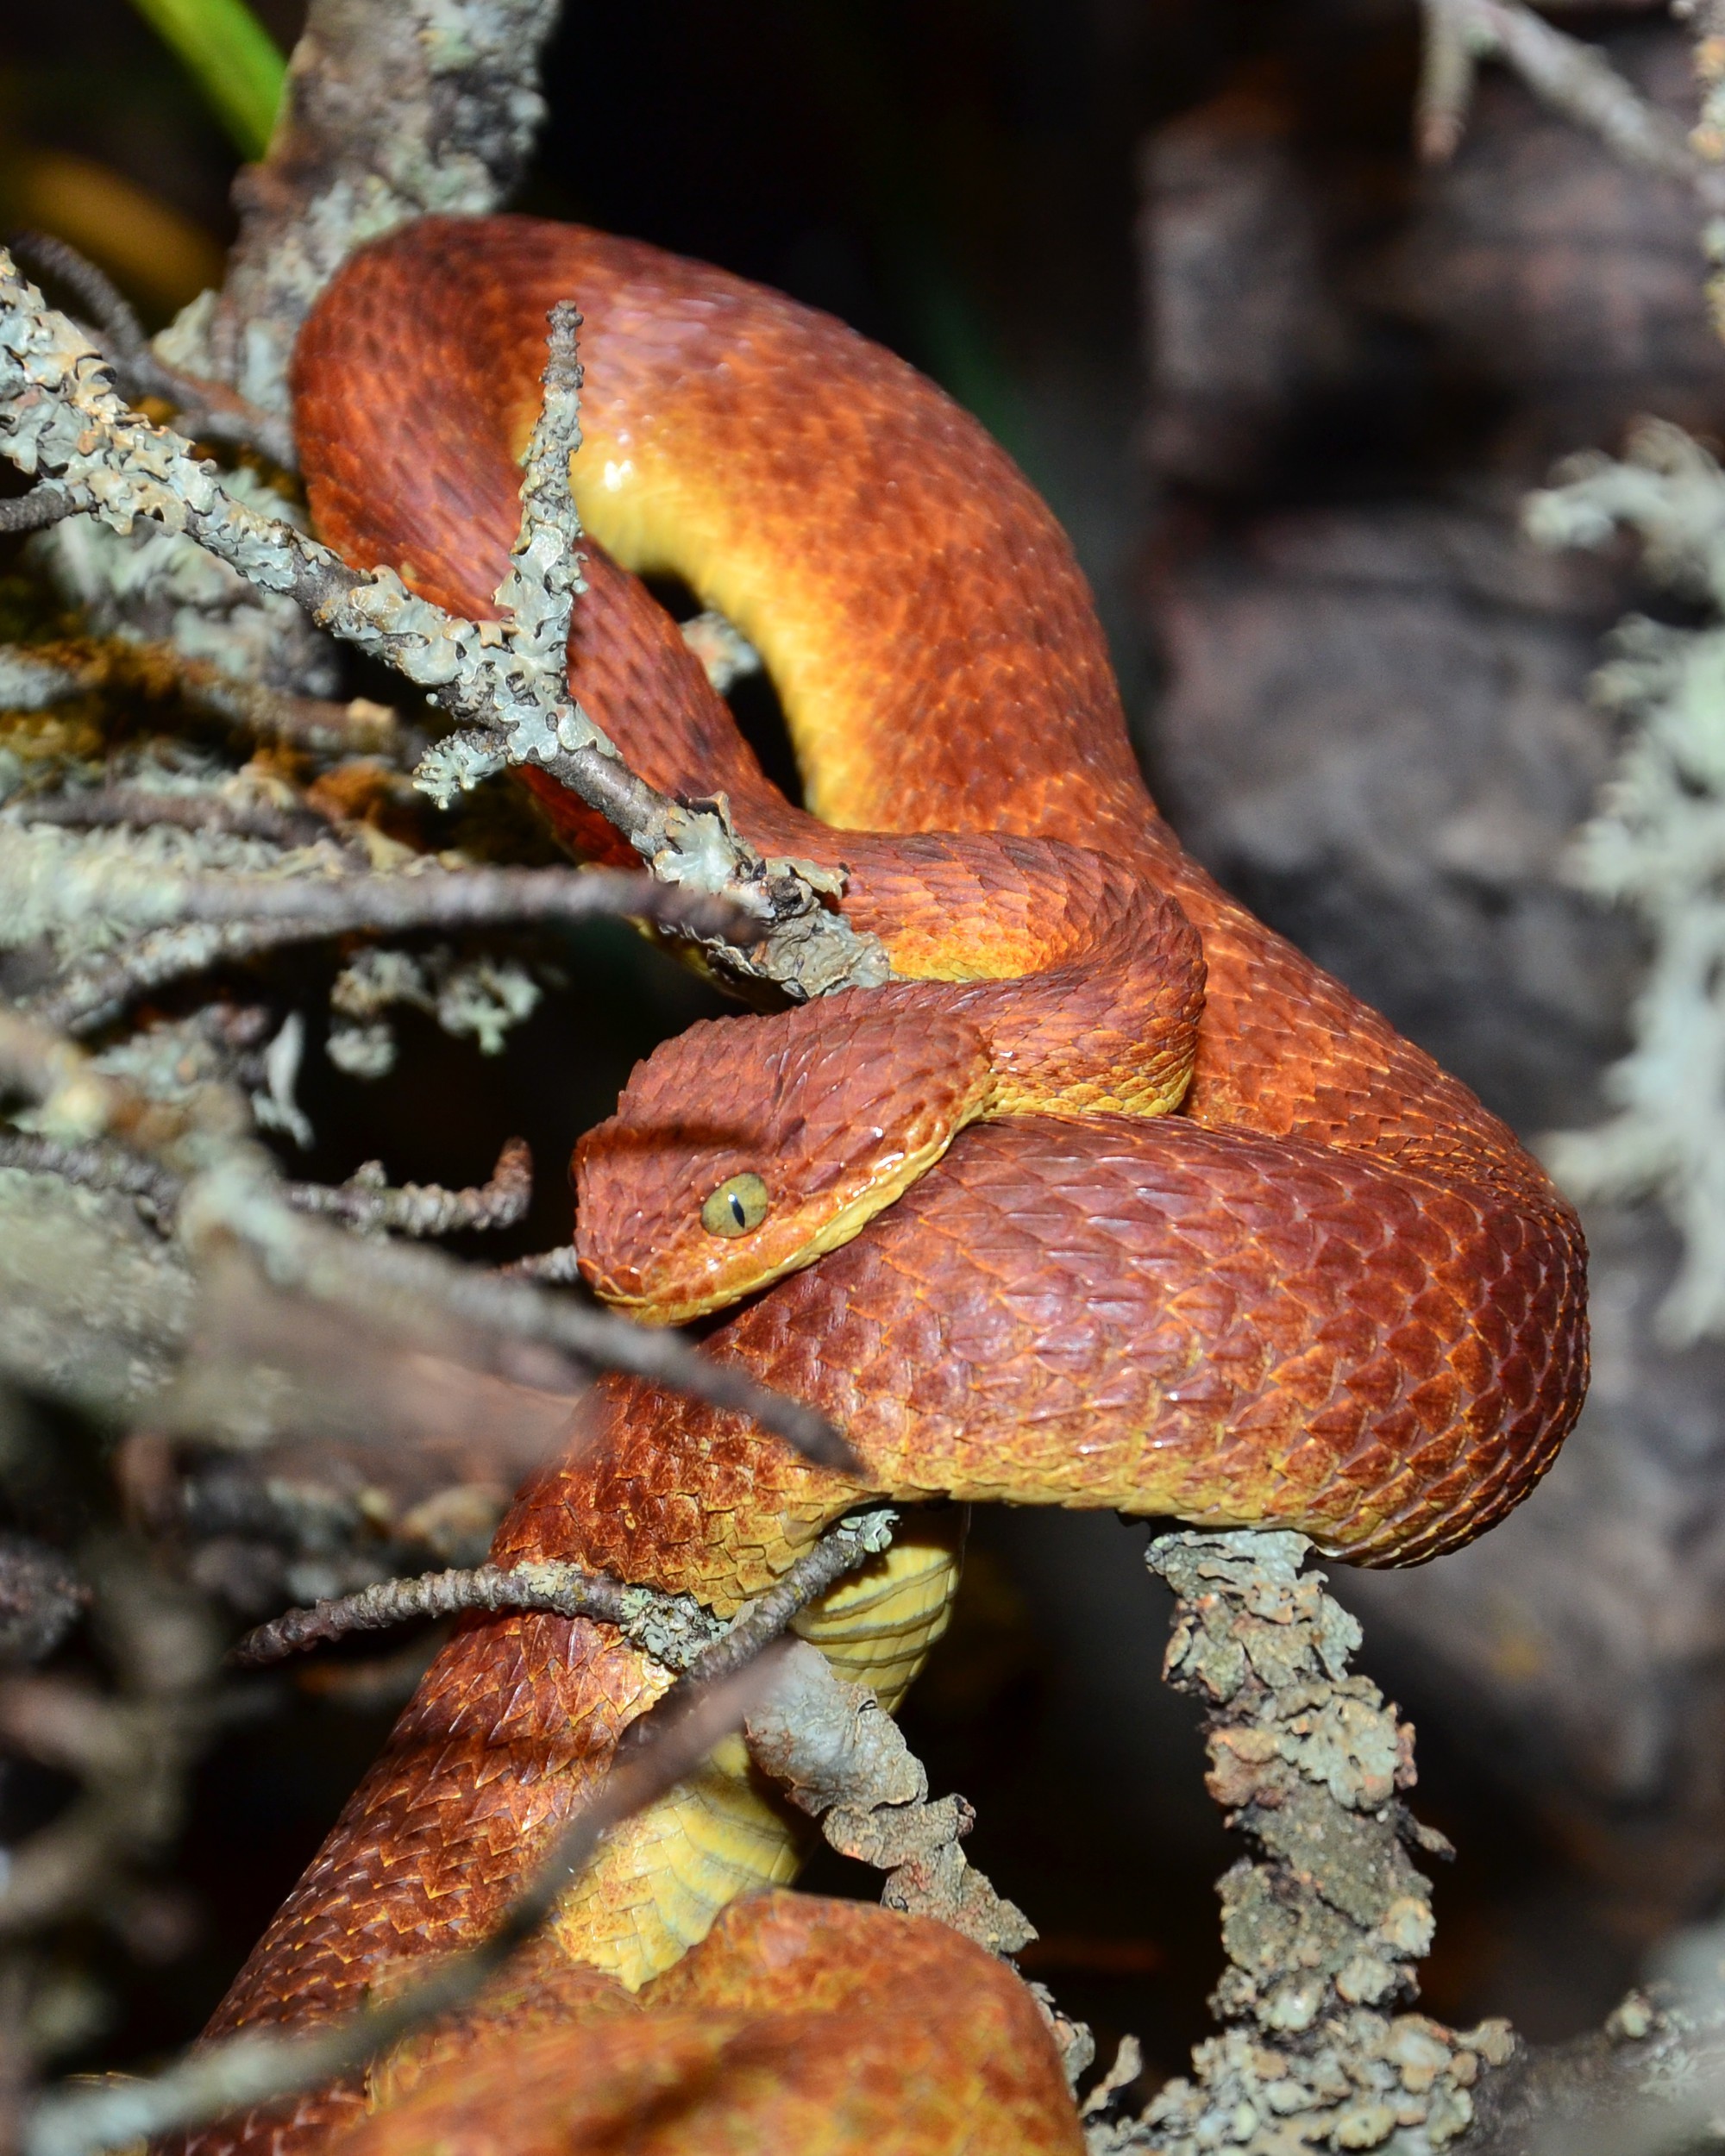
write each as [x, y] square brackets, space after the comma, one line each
[1322, 1929]
[63, 423]
[482, 998]
[424, 105]
[841, 1756]
[1656, 847]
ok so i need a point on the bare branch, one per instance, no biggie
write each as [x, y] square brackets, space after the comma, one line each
[43, 505]
[193, 923]
[426, 1209]
[141, 808]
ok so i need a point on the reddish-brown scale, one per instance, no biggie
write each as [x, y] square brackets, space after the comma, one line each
[798, 2025]
[1331, 1294]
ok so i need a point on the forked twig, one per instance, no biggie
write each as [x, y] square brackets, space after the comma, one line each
[503, 683]
[673, 1628]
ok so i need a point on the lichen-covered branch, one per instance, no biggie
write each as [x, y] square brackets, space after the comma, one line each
[389, 111]
[673, 1629]
[365, 1200]
[1323, 1927]
[209, 410]
[186, 921]
[62, 421]
[842, 1757]
[1656, 846]
[564, 1590]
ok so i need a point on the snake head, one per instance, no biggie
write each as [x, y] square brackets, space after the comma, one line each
[747, 1147]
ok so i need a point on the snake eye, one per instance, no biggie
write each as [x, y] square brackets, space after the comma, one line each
[739, 1204]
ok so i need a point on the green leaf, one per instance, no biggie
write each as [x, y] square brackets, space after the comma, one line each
[233, 59]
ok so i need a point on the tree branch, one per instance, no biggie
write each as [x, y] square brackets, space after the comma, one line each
[675, 1629]
[232, 1195]
[1572, 76]
[191, 922]
[365, 1201]
[210, 410]
[60, 416]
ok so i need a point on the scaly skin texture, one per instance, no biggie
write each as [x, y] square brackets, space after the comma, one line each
[799, 2025]
[1331, 1293]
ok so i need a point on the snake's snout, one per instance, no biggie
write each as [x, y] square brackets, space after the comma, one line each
[748, 1147]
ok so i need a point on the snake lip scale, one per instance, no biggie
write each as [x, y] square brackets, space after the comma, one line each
[1110, 1198]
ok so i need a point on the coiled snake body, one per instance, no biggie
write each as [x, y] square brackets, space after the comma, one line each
[1328, 1292]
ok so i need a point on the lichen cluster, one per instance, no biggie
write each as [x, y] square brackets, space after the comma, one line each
[1322, 1928]
[1656, 846]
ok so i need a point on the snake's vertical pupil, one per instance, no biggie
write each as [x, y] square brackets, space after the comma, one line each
[740, 1204]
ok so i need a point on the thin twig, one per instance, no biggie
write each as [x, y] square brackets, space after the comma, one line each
[563, 1591]
[42, 506]
[60, 416]
[191, 922]
[210, 410]
[94, 1167]
[141, 808]
[253, 2068]
[40, 677]
[426, 1209]
[414, 1209]
[673, 1628]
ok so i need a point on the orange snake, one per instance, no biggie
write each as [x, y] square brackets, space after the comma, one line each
[1327, 1291]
